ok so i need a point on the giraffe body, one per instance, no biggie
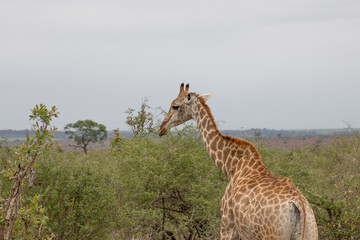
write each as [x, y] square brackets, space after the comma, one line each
[256, 204]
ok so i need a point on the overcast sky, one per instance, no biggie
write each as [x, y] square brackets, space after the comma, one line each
[269, 63]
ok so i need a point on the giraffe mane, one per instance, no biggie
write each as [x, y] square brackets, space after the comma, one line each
[238, 141]
[202, 101]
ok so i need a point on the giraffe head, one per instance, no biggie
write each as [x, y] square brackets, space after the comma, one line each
[181, 109]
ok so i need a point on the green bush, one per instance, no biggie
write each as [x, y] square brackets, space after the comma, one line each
[169, 188]
[77, 195]
[151, 188]
[21, 216]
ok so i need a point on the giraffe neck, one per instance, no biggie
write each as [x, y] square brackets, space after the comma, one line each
[226, 152]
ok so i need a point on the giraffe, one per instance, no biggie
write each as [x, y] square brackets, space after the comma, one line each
[256, 204]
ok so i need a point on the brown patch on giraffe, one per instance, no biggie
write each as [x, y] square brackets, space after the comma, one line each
[257, 165]
[252, 184]
[272, 196]
[258, 197]
[219, 155]
[208, 126]
[226, 153]
[252, 194]
[229, 165]
[212, 134]
[202, 113]
[243, 189]
[240, 152]
[263, 202]
[213, 156]
[205, 124]
[277, 190]
[251, 164]
[225, 221]
[246, 156]
[245, 171]
[244, 203]
[214, 142]
[204, 133]
[267, 193]
[220, 145]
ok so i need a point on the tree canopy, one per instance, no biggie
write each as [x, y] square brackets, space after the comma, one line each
[142, 123]
[84, 132]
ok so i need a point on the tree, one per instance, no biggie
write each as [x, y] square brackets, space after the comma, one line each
[85, 131]
[27, 220]
[143, 123]
[257, 134]
[116, 140]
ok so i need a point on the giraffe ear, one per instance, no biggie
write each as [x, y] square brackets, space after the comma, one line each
[206, 96]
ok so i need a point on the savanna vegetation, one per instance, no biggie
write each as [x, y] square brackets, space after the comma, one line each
[148, 187]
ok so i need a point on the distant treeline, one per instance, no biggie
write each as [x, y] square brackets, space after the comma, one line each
[264, 132]
[60, 135]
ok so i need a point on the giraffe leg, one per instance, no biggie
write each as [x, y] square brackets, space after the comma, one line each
[228, 226]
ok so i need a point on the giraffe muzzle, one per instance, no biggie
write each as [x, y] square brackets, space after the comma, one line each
[162, 132]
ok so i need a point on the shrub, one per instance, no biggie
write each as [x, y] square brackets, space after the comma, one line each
[169, 188]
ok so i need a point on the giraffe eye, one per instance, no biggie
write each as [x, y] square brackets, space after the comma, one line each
[176, 107]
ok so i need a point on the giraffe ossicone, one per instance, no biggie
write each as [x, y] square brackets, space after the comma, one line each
[256, 204]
